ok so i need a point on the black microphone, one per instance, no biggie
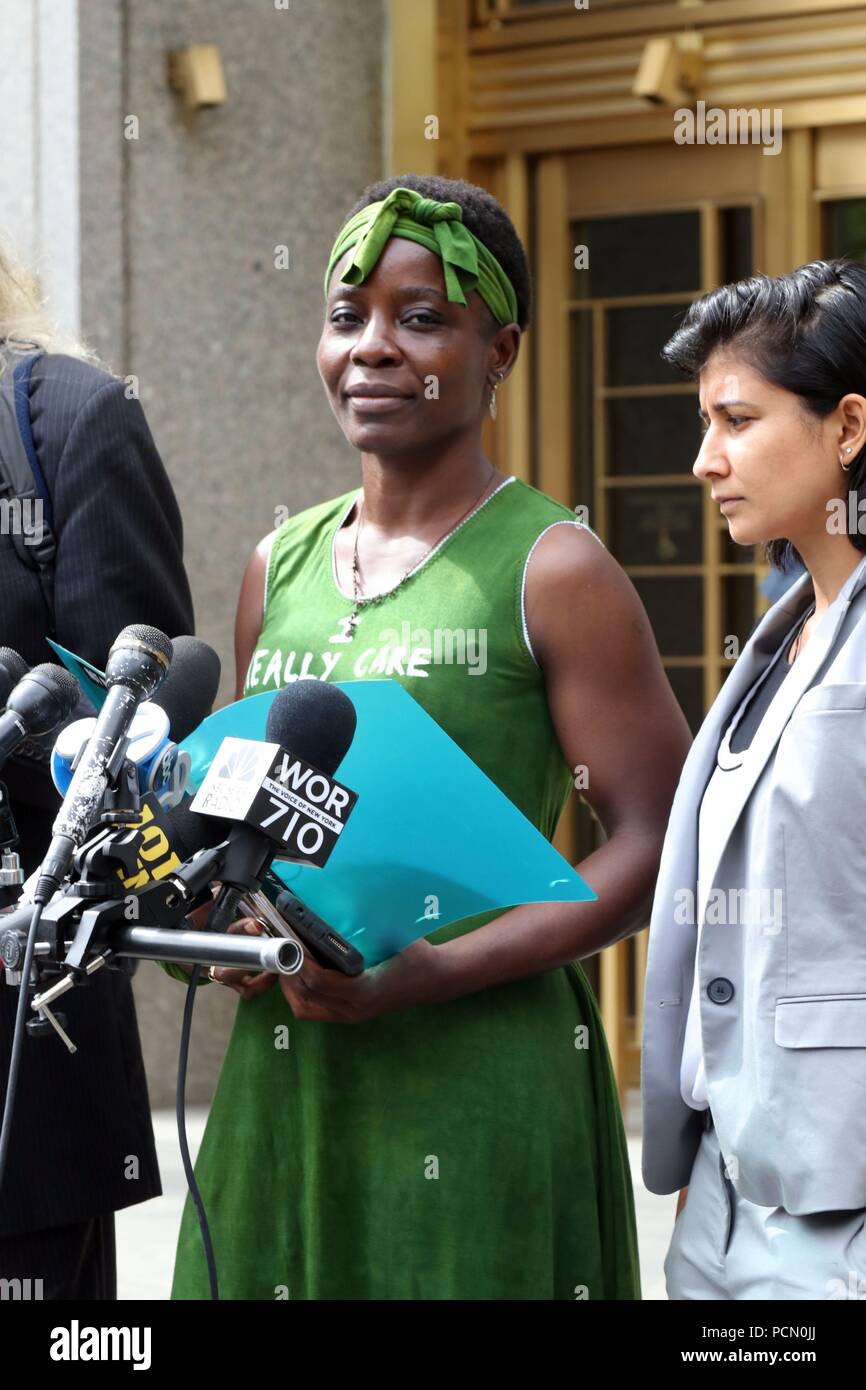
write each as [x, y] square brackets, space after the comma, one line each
[37, 703]
[189, 690]
[137, 663]
[319, 728]
[316, 722]
[34, 754]
[12, 668]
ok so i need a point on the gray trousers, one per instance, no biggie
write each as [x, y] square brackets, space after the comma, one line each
[724, 1247]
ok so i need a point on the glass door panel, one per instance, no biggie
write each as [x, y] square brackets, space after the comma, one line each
[844, 229]
[657, 253]
[635, 430]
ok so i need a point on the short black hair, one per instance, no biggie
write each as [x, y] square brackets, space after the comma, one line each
[804, 331]
[482, 214]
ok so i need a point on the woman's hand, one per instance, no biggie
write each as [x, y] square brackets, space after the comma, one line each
[681, 1201]
[248, 985]
[328, 996]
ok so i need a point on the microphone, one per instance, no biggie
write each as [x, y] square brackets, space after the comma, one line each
[189, 690]
[37, 703]
[34, 754]
[236, 849]
[12, 668]
[187, 697]
[137, 662]
[160, 766]
[315, 720]
[183, 700]
[280, 803]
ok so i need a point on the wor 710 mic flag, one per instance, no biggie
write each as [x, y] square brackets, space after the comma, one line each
[296, 805]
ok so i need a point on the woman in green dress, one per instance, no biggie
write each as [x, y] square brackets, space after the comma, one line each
[446, 1125]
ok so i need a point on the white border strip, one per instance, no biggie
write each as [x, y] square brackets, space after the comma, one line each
[564, 522]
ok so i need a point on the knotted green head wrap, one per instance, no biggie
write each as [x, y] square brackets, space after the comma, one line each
[467, 262]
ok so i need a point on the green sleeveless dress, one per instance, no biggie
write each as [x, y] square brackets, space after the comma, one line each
[467, 1150]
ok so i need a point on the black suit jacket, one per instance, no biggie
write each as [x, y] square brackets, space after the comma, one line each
[82, 1141]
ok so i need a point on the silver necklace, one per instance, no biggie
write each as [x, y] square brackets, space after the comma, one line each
[360, 601]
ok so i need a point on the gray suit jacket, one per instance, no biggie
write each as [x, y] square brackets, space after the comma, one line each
[782, 964]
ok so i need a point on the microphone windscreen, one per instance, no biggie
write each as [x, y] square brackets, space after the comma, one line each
[12, 668]
[139, 658]
[61, 684]
[188, 692]
[315, 721]
[137, 635]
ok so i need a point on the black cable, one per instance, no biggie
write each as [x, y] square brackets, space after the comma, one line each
[180, 1113]
[18, 1039]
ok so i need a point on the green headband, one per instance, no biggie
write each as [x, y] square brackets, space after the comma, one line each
[467, 262]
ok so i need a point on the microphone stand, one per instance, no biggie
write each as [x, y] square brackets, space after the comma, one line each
[92, 923]
[11, 872]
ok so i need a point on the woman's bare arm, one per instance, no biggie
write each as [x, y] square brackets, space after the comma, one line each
[248, 618]
[614, 713]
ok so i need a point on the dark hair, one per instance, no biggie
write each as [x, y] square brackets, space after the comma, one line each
[482, 215]
[804, 331]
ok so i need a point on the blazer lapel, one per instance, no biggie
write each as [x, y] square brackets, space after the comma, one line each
[679, 860]
[760, 649]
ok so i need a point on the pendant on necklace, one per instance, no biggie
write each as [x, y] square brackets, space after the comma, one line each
[347, 627]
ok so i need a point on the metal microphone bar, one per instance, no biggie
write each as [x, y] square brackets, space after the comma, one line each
[282, 956]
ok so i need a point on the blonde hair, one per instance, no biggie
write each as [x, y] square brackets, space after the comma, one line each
[24, 320]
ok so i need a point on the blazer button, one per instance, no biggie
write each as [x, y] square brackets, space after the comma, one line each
[721, 991]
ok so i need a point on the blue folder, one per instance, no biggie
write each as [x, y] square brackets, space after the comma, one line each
[431, 840]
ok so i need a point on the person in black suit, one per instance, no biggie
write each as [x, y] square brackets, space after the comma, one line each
[82, 1141]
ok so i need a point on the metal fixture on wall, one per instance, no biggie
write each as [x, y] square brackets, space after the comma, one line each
[670, 70]
[196, 73]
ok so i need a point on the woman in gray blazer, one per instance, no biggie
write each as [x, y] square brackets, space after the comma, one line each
[754, 1047]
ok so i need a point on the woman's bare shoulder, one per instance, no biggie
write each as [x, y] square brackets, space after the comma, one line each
[575, 589]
